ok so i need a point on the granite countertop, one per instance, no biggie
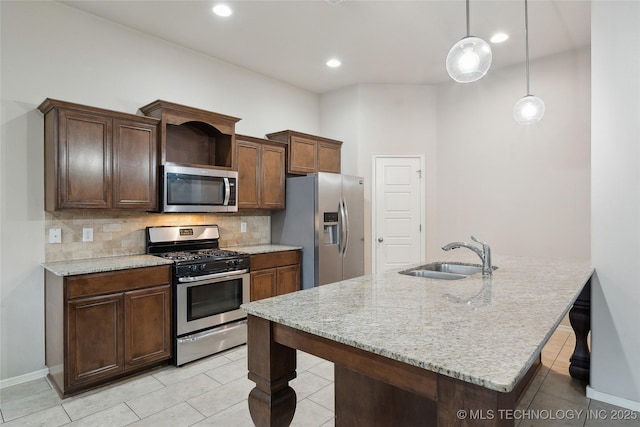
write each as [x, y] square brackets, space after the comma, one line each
[262, 249]
[97, 265]
[483, 331]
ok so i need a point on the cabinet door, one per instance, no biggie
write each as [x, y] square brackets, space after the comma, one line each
[263, 284]
[303, 156]
[328, 157]
[288, 279]
[95, 348]
[248, 175]
[147, 322]
[84, 160]
[273, 177]
[134, 165]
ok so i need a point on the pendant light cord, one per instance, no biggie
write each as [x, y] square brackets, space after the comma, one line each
[468, 34]
[526, 38]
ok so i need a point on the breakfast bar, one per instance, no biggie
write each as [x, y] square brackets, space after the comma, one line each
[412, 350]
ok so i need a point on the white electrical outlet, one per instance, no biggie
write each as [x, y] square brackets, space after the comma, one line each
[87, 234]
[55, 235]
[243, 227]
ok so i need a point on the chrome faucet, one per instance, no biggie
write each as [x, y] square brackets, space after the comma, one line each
[484, 253]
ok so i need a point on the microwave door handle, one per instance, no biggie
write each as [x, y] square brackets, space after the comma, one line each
[227, 192]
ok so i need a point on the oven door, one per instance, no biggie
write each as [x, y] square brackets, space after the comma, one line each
[209, 301]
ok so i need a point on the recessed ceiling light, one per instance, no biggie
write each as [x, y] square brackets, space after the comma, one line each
[222, 10]
[333, 63]
[499, 37]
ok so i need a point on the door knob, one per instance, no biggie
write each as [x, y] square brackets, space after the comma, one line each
[380, 239]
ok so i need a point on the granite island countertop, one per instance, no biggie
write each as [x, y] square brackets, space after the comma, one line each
[483, 331]
[97, 265]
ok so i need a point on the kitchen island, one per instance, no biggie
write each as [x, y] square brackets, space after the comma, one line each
[411, 350]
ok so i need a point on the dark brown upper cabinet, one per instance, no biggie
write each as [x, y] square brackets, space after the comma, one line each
[194, 137]
[98, 159]
[261, 173]
[309, 153]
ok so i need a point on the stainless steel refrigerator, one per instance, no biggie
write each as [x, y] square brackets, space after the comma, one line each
[325, 215]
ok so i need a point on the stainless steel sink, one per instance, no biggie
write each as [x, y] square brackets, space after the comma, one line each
[444, 270]
[452, 267]
[433, 274]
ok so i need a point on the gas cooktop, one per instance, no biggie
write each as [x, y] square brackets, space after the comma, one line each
[195, 250]
[199, 255]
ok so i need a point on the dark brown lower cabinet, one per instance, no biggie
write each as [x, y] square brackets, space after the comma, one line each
[288, 279]
[263, 283]
[103, 326]
[147, 326]
[95, 349]
[274, 273]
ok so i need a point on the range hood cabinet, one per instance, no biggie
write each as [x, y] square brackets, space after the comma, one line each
[194, 137]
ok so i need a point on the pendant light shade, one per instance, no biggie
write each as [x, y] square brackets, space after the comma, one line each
[529, 109]
[469, 59]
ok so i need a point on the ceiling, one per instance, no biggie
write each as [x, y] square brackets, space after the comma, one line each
[401, 42]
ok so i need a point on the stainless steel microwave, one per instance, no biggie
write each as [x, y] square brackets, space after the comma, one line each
[194, 189]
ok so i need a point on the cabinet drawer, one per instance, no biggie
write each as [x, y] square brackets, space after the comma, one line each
[274, 259]
[117, 281]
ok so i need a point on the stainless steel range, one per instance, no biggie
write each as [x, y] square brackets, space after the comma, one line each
[209, 285]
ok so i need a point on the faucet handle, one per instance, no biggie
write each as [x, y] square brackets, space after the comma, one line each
[475, 239]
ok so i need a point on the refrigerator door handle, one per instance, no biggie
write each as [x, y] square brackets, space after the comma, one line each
[345, 226]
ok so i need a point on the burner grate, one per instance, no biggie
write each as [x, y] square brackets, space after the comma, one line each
[209, 254]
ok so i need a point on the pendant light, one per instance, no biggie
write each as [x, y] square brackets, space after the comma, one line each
[469, 59]
[529, 109]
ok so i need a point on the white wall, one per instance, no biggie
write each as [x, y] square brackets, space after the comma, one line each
[51, 50]
[615, 204]
[523, 189]
[339, 117]
[384, 119]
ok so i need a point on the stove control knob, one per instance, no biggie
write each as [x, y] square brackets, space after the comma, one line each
[194, 268]
[203, 266]
[230, 263]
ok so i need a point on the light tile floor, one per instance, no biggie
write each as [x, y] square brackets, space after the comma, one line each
[213, 392]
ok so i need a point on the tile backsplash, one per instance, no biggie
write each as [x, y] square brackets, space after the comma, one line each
[123, 233]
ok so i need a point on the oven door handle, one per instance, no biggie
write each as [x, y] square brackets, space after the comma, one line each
[227, 274]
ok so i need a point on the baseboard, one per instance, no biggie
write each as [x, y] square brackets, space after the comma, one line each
[612, 400]
[42, 373]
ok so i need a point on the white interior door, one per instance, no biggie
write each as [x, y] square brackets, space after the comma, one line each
[398, 206]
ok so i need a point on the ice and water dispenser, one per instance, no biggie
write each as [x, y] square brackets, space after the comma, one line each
[330, 227]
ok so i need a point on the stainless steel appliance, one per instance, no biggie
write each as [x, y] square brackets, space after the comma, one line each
[209, 285]
[192, 189]
[325, 215]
